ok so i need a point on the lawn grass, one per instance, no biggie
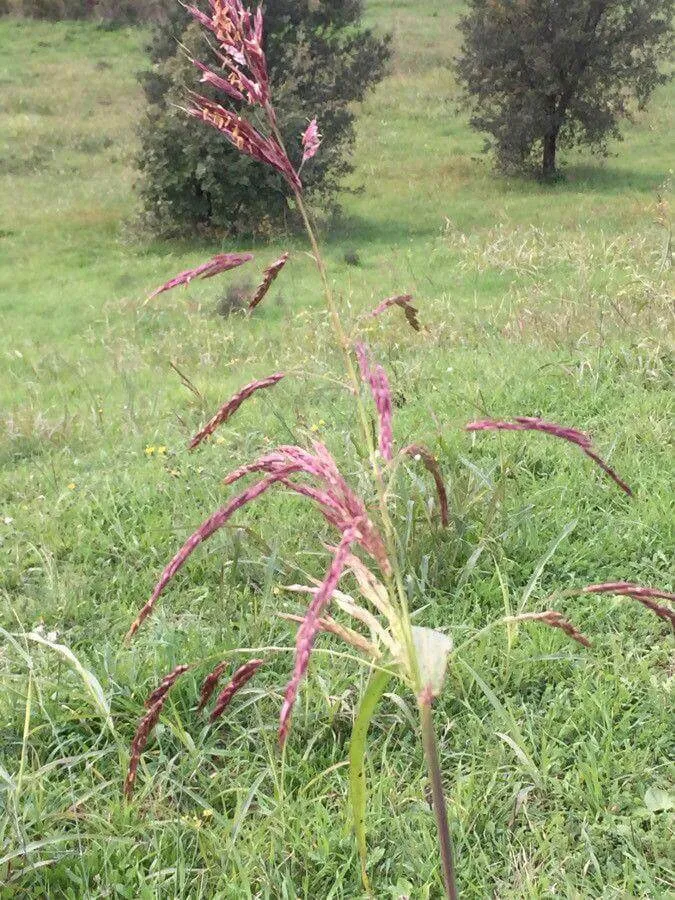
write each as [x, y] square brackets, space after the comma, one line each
[550, 300]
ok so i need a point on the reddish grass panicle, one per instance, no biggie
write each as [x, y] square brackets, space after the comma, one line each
[269, 275]
[553, 619]
[304, 641]
[240, 36]
[532, 423]
[311, 141]
[209, 684]
[430, 463]
[165, 686]
[228, 409]
[647, 596]
[222, 262]
[154, 704]
[337, 502]
[242, 135]
[404, 302]
[379, 387]
[239, 679]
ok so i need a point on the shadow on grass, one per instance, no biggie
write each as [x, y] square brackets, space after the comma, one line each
[586, 177]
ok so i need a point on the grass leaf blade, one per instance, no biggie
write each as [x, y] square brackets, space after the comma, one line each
[357, 754]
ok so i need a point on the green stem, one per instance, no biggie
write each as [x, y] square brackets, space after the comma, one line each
[438, 798]
[395, 579]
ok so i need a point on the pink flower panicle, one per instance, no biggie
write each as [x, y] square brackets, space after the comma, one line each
[647, 596]
[553, 619]
[209, 684]
[229, 409]
[216, 521]
[379, 386]
[242, 135]
[222, 262]
[307, 632]
[146, 726]
[430, 463]
[404, 302]
[532, 423]
[311, 141]
[269, 275]
[239, 35]
[239, 679]
[339, 504]
[165, 686]
[336, 501]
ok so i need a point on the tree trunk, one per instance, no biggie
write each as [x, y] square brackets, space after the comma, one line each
[548, 163]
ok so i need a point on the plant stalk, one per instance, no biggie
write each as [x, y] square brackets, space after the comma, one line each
[438, 798]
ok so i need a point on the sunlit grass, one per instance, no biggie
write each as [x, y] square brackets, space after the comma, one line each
[537, 300]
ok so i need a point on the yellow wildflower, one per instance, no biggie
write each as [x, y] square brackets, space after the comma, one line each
[149, 450]
[72, 486]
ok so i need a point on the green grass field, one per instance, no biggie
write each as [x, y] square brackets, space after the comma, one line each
[538, 300]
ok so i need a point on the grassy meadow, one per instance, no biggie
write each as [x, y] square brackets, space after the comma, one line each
[537, 300]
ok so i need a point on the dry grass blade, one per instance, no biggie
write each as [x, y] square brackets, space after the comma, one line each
[348, 635]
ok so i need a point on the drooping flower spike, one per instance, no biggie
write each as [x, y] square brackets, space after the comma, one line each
[147, 724]
[311, 141]
[206, 529]
[307, 632]
[228, 409]
[165, 686]
[553, 619]
[222, 262]
[404, 302]
[532, 423]
[430, 463]
[336, 500]
[647, 596]
[242, 135]
[239, 679]
[379, 386]
[209, 684]
[269, 275]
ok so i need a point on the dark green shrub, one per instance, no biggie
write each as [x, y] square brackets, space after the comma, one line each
[321, 59]
[117, 12]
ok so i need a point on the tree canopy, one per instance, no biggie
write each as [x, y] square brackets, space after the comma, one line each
[542, 74]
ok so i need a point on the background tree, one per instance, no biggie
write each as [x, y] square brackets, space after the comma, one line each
[540, 74]
[320, 58]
